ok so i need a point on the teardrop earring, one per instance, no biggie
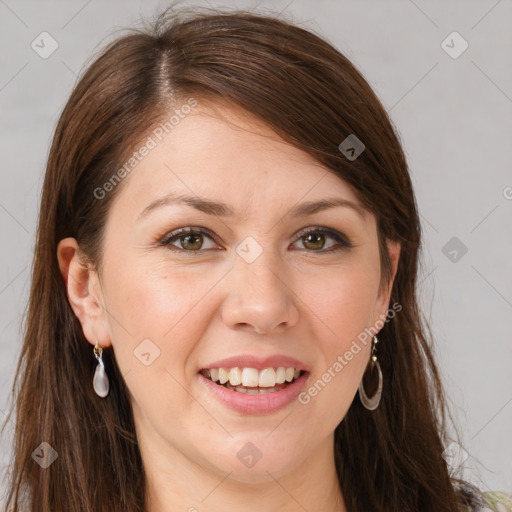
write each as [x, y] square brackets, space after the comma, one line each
[371, 403]
[100, 381]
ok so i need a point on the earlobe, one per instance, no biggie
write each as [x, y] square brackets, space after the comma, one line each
[83, 291]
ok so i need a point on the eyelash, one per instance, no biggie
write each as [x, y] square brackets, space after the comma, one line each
[343, 242]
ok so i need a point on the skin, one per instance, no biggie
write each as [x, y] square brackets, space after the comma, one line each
[295, 299]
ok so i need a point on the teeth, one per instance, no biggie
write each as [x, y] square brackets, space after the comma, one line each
[267, 378]
[223, 375]
[290, 373]
[268, 390]
[250, 377]
[263, 391]
[235, 378]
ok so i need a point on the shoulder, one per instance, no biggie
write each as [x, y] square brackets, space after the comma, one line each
[474, 500]
[498, 501]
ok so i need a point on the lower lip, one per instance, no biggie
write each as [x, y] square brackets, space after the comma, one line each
[256, 404]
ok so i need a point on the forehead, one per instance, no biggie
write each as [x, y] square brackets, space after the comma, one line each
[222, 152]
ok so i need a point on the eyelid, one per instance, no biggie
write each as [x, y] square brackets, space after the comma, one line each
[343, 241]
[333, 233]
[188, 230]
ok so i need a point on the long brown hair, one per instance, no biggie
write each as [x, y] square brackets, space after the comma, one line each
[313, 97]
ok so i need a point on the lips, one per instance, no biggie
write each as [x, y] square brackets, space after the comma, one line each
[255, 404]
[253, 385]
[248, 361]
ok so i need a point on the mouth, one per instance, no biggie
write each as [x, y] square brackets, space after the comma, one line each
[253, 381]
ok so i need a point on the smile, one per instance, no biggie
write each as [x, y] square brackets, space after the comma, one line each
[255, 392]
[251, 380]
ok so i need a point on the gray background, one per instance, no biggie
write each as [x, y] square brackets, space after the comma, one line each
[454, 116]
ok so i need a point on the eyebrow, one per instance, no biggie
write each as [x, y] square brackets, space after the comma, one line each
[221, 209]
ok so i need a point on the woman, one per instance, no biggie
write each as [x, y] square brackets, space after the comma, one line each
[223, 311]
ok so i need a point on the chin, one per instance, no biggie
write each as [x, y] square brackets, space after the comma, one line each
[253, 457]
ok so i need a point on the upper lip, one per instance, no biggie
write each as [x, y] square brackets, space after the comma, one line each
[249, 361]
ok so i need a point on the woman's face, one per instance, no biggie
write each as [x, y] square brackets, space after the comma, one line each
[248, 286]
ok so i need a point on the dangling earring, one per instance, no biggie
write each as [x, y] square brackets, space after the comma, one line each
[100, 380]
[373, 402]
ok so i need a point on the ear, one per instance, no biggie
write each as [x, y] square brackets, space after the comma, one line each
[84, 292]
[382, 303]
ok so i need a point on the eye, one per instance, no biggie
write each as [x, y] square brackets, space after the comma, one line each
[190, 240]
[314, 239]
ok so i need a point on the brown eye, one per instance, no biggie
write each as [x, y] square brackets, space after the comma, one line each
[316, 240]
[192, 242]
[189, 240]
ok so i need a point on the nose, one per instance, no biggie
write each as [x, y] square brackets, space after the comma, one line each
[260, 296]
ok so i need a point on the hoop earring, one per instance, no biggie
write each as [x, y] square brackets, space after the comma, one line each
[100, 381]
[372, 403]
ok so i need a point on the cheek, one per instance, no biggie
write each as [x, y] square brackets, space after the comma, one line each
[152, 295]
[342, 307]
[343, 300]
[157, 317]
[159, 302]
